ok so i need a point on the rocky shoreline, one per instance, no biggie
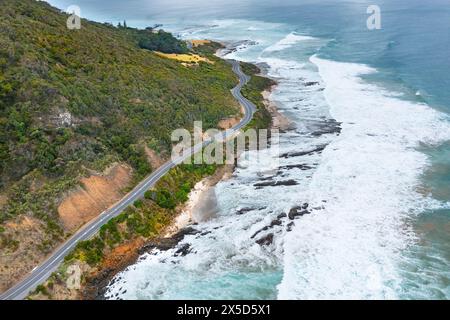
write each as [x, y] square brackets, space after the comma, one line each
[129, 253]
[200, 207]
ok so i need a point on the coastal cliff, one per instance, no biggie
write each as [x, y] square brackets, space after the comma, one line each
[84, 115]
[170, 228]
[87, 113]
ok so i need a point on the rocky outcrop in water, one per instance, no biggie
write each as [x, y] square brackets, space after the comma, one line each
[290, 226]
[266, 240]
[247, 209]
[330, 126]
[295, 212]
[299, 211]
[303, 153]
[311, 83]
[165, 244]
[183, 250]
[276, 183]
[233, 47]
[276, 222]
[302, 167]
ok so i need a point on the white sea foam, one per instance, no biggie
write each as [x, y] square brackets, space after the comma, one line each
[369, 178]
[368, 175]
[288, 41]
[225, 261]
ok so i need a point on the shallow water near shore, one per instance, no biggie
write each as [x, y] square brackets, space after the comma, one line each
[369, 153]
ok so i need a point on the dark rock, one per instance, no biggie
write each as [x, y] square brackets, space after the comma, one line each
[282, 215]
[290, 226]
[297, 212]
[96, 286]
[276, 183]
[303, 153]
[296, 166]
[328, 127]
[275, 222]
[266, 240]
[168, 243]
[311, 83]
[266, 178]
[183, 250]
[293, 213]
[259, 231]
[322, 132]
[245, 210]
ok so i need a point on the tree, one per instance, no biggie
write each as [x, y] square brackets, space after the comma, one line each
[160, 41]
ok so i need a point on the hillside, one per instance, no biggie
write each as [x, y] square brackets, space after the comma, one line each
[77, 104]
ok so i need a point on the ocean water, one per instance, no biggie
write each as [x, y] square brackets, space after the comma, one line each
[378, 190]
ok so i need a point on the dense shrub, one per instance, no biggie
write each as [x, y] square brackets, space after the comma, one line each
[160, 41]
[75, 100]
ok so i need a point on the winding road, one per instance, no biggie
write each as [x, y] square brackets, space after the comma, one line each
[43, 271]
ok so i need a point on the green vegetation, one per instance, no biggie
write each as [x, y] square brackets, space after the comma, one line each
[42, 289]
[157, 210]
[147, 217]
[7, 243]
[159, 41]
[72, 101]
[208, 49]
[252, 91]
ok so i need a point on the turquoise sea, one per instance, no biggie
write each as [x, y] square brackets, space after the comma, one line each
[381, 188]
